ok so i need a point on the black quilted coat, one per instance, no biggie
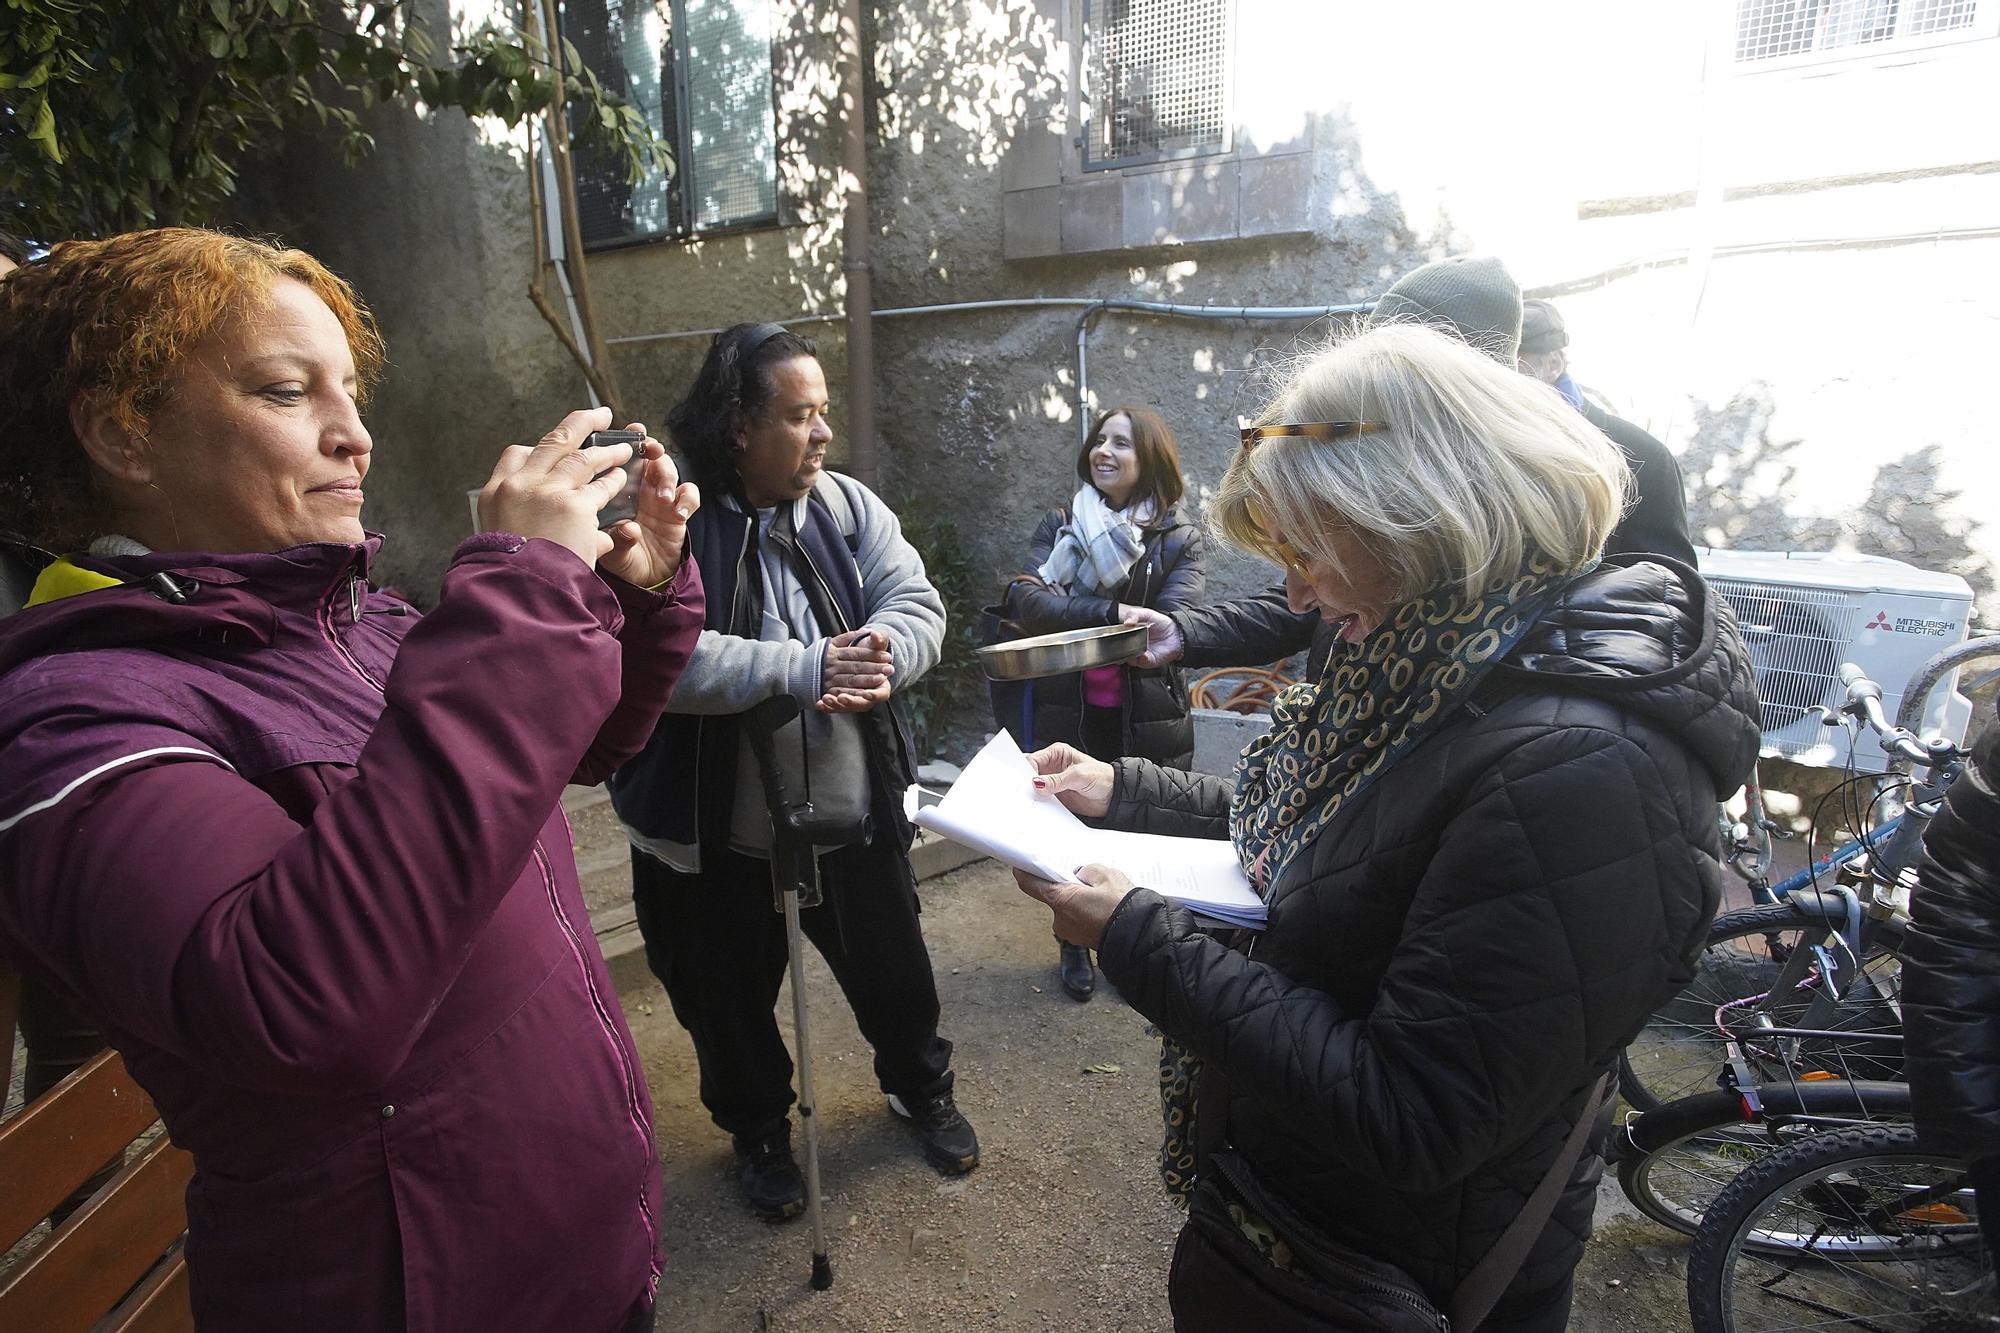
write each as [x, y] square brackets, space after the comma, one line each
[1951, 965]
[1466, 947]
[1170, 575]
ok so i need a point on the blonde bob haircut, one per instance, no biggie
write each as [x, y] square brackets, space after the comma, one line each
[1479, 467]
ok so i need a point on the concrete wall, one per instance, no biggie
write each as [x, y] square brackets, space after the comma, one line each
[1734, 253]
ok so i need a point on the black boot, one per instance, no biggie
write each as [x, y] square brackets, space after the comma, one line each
[948, 1141]
[1079, 978]
[770, 1178]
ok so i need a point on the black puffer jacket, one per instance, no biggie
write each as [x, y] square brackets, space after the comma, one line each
[1467, 946]
[1171, 574]
[1951, 965]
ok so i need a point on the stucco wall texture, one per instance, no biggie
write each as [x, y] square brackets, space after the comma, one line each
[975, 410]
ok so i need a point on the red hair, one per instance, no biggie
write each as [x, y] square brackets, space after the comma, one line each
[111, 323]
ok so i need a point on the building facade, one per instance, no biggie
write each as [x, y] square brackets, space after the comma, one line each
[1772, 226]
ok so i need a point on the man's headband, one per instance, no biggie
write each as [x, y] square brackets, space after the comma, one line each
[749, 338]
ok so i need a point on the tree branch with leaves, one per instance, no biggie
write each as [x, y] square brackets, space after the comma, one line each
[116, 114]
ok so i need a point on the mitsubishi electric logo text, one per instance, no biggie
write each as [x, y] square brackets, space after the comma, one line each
[1935, 629]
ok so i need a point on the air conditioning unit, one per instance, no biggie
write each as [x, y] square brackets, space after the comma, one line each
[1804, 614]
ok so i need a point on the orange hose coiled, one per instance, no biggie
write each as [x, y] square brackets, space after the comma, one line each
[1255, 689]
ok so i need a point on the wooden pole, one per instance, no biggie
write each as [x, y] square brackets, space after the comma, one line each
[598, 369]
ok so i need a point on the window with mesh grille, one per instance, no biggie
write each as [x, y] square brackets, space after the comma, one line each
[1769, 29]
[1156, 79]
[699, 71]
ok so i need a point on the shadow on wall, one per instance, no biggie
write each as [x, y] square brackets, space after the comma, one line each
[1739, 477]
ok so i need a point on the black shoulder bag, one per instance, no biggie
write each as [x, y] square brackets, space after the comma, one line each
[1223, 1280]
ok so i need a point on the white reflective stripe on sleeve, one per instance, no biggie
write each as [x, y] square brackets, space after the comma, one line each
[101, 770]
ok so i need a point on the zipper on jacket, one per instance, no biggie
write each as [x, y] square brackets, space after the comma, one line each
[332, 634]
[833, 603]
[626, 1073]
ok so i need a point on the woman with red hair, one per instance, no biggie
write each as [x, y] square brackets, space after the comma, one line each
[300, 851]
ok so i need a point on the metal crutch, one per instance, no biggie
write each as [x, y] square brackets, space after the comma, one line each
[796, 829]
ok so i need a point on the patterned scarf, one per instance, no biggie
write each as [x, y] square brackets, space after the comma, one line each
[1331, 739]
[1096, 549]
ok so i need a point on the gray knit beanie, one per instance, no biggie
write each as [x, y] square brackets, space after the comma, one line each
[1472, 295]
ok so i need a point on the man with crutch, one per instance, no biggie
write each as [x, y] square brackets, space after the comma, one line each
[815, 597]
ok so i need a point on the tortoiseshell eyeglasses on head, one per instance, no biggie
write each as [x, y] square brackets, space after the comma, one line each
[1328, 431]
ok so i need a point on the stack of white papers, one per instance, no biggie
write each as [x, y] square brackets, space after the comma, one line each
[994, 809]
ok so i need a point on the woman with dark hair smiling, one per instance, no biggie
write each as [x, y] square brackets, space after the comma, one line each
[1120, 542]
[816, 597]
[299, 850]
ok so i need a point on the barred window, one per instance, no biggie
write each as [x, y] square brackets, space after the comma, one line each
[700, 73]
[1156, 79]
[1770, 29]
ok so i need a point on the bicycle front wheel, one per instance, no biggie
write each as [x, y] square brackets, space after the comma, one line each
[1856, 1229]
[1680, 1050]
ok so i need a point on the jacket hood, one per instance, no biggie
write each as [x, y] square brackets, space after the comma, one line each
[137, 600]
[1647, 633]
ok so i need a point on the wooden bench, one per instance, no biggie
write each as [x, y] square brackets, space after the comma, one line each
[114, 1265]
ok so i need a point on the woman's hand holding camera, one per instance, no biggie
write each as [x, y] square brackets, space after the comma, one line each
[647, 548]
[554, 490]
[857, 671]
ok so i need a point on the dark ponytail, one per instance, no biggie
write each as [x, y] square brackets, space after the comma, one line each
[731, 387]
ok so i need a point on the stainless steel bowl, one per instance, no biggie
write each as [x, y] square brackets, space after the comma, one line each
[1063, 653]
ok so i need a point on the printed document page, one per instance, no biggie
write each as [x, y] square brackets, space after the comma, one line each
[994, 809]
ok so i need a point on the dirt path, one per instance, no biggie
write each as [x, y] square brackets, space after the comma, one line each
[1062, 1227]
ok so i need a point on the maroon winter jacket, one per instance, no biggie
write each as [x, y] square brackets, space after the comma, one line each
[303, 854]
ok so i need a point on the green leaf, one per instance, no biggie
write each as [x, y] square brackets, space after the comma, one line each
[218, 44]
[44, 132]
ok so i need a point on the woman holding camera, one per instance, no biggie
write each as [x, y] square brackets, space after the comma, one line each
[1120, 542]
[299, 849]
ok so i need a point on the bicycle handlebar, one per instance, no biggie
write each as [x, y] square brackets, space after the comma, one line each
[1864, 701]
[1857, 683]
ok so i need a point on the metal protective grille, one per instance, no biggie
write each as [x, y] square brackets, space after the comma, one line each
[626, 43]
[1927, 16]
[731, 140]
[717, 116]
[1797, 638]
[1768, 29]
[1156, 78]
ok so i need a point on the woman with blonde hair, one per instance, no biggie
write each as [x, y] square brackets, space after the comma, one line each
[1485, 835]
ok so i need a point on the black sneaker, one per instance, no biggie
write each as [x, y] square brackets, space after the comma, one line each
[948, 1141]
[770, 1178]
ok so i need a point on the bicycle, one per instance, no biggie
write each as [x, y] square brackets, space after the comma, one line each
[1857, 1228]
[1673, 1161]
[1819, 959]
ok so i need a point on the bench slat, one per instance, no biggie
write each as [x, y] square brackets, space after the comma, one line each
[159, 1304]
[10, 1018]
[59, 1142]
[96, 1257]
